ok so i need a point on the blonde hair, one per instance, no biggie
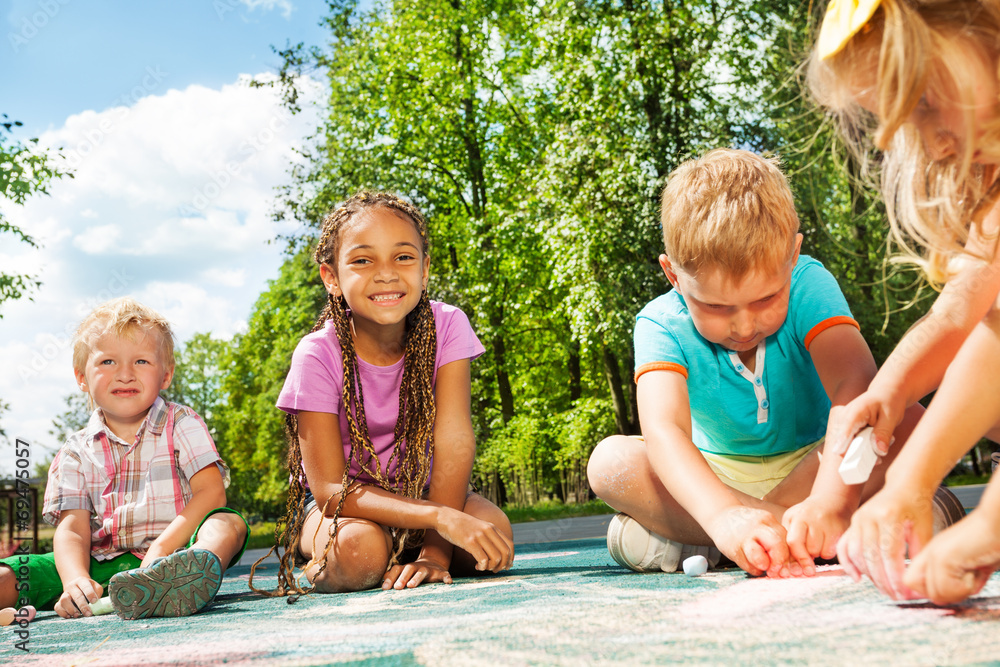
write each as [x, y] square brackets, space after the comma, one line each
[931, 204]
[730, 209]
[125, 318]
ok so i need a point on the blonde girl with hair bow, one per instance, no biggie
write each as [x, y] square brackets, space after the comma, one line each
[919, 80]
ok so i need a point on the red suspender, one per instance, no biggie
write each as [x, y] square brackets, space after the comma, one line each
[178, 492]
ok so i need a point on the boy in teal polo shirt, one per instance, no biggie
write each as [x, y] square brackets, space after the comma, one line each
[737, 368]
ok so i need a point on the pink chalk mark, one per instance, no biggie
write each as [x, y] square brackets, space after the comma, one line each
[754, 595]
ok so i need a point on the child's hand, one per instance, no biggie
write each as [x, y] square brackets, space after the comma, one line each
[882, 413]
[753, 539]
[957, 562]
[813, 530]
[880, 532]
[77, 596]
[411, 575]
[153, 554]
[491, 549]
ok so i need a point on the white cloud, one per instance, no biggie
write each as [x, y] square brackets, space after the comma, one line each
[267, 5]
[98, 240]
[170, 203]
[226, 278]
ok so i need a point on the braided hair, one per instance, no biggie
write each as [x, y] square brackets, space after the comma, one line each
[413, 441]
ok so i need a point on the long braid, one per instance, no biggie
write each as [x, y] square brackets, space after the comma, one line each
[414, 424]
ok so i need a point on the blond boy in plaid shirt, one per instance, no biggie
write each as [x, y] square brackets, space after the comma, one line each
[138, 496]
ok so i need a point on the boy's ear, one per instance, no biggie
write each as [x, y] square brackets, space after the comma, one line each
[168, 377]
[798, 247]
[81, 380]
[329, 279]
[668, 270]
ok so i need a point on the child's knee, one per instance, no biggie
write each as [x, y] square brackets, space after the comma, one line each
[8, 587]
[606, 461]
[356, 561]
[234, 525]
[223, 527]
[481, 508]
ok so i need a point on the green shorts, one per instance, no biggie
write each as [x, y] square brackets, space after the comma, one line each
[39, 585]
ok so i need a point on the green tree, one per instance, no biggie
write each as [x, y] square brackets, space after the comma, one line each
[250, 429]
[537, 138]
[198, 378]
[636, 88]
[24, 171]
[71, 420]
[425, 100]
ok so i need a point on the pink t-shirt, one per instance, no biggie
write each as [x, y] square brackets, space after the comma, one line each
[315, 382]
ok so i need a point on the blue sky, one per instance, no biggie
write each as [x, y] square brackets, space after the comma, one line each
[175, 159]
[60, 57]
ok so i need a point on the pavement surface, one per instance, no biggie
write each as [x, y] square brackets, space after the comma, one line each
[564, 602]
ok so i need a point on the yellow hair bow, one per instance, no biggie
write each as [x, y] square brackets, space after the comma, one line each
[843, 20]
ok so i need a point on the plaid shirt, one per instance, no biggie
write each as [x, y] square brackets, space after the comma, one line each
[131, 490]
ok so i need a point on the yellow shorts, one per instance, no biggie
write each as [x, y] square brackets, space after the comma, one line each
[757, 475]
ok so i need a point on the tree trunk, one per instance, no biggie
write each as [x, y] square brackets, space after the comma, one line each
[503, 378]
[573, 367]
[633, 397]
[977, 468]
[618, 400]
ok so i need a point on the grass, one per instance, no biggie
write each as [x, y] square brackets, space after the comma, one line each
[965, 479]
[548, 510]
[261, 535]
[262, 532]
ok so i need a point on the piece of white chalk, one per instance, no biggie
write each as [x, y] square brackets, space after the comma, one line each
[860, 458]
[101, 607]
[27, 613]
[695, 566]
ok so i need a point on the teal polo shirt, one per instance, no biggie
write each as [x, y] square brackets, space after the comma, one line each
[732, 412]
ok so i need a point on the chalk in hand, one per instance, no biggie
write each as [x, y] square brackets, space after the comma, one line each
[860, 458]
[7, 616]
[695, 566]
[101, 607]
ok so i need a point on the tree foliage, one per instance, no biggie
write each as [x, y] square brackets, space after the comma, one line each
[537, 137]
[198, 378]
[24, 171]
[248, 428]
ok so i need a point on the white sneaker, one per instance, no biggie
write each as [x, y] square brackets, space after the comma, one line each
[637, 548]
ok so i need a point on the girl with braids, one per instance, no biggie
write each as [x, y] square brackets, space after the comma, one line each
[921, 78]
[379, 419]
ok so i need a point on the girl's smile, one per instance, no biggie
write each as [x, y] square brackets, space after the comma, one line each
[381, 270]
[388, 299]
